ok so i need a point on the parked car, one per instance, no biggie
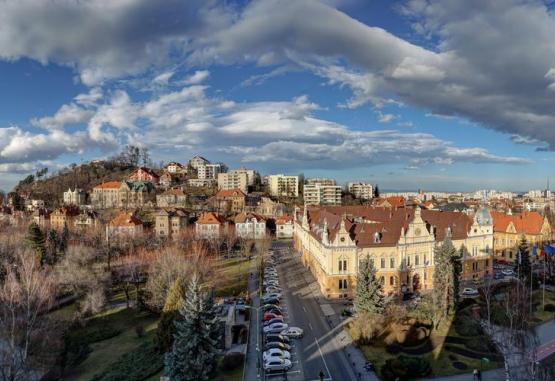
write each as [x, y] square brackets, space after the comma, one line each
[276, 295]
[274, 352]
[276, 338]
[275, 328]
[272, 321]
[270, 301]
[270, 282]
[470, 292]
[268, 307]
[507, 272]
[293, 332]
[270, 315]
[275, 311]
[278, 345]
[271, 289]
[277, 364]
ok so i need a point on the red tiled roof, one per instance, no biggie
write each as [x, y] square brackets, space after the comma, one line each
[283, 219]
[242, 217]
[126, 219]
[109, 185]
[524, 223]
[210, 218]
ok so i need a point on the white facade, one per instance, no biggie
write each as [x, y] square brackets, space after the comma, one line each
[209, 171]
[316, 194]
[361, 190]
[284, 229]
[233, 180]
[197, 161]
[251, 228]
[284, 186]
[75, 197]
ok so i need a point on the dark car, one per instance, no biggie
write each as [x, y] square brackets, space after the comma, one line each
[270, 301]
[278, 345]
[275, 311]
[276, 338]
[270, 306]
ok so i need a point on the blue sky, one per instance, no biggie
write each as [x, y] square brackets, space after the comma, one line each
[406, 94]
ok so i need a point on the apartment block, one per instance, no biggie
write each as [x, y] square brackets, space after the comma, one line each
[209, 171]
[236, 179]
[283, 186]
[361, 190]
[316, 194]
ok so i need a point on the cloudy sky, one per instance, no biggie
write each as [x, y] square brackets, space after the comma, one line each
[440, 95]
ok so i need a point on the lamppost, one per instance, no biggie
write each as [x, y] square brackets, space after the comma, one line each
[258, 334]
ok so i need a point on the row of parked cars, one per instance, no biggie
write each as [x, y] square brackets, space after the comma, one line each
[277, 333]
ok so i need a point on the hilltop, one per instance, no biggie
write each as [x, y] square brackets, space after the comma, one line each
[84, 176]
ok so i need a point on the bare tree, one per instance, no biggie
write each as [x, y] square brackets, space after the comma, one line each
[26, 293]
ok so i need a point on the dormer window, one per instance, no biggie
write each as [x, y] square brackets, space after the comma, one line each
[377, 237]
[342, 239]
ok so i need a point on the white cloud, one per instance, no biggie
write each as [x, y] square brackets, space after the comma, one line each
[198, 77]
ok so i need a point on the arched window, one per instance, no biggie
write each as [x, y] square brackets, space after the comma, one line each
[382, 280]
[391, 281]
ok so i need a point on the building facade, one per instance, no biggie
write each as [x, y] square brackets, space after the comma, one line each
[321, 194]
[233, 180]
[144, 174]
[283, 186]
[170, 222]
[64, 216]
[284, 227]
[363, 191]
[250, 226]
[229, 201]
[209, 171]
[211, 226]
[75, 197]
[400, 242]
[174, 197]
[125, 225]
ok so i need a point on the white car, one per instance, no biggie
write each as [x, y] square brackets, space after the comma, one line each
[270, 282]
[272, 295]
[273, 289]
[275, 328]
[470, 292]
[293, 332]
[277, 364]
[507, 272]
[275, 352]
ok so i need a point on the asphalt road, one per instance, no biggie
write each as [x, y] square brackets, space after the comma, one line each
[318, 351]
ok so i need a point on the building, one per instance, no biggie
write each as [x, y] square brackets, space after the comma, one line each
[283, 186]
[320, 181]
[322, 193]
[211, 225]
[64, 216]
[250, 226]
[34, 204]
[175, 168]
[144, 174]
[509, 229]
[124, 224]
[237, 179]
[167, 180]
[229, 201]
[269, 208]
[75, 197]
[41, 217]
[390, 202]
[201, 182]
[363, 191]
[197, 161]
[209, 171]
[170, 222]
[174, 197]
[284, 227]
[400, 242]
[86, 220]
[106, 195]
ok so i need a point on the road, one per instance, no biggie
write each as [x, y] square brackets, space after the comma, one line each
[251, 361]
[319, 349]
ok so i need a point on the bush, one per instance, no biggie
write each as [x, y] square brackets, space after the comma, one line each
[549, 308]
[480, 344]
[140, 330]
[393, 348]
[138, 364]
[467, 327]
[232, 361]
[79, 339]
[405, 367]
[467, 302]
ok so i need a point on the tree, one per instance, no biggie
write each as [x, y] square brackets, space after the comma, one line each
[26, 293]
[194, 351]
[444, 283]
[166, 326]
[52, 243]
[35, 240]
[63, 239]
[522, 265]
[369, 290]
[376, 191]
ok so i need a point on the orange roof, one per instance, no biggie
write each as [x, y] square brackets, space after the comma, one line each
[394, 201]
[109, 185]
[174, 192]
[524, 223]
[242, 217]
[210, 218]
[230, 193]
[145, 170]
[284, 219]
[126, 219]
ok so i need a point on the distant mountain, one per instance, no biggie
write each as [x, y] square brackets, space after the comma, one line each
[84, 176]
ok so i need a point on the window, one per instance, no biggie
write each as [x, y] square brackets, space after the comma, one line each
[342, 284]
[417, 260]
[382, 280]
[342, 265]
[382, 263]
[408, 260]
[391, 281]
[392, 262]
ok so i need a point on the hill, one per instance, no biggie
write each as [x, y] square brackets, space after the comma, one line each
[84, 176]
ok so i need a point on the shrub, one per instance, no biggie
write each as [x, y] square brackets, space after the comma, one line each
[467, 327]
[140, 330]
[138, 364]
[393, 348]
[79, 339]
[467, 302]
[232, 361]
[366, 327]
[405, 367]
[480, 344]
[549, 308]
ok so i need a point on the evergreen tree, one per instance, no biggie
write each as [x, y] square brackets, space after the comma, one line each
[170, 312]
[63, 239]
[35, 239]
[376, 191]
[51, 246]
[457, 262]
[194, 351]
[522, 264]
[445, 256]
[369, 290]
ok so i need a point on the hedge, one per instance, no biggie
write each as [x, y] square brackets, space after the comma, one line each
[137, 365]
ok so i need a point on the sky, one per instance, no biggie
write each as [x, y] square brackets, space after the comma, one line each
[450, 95]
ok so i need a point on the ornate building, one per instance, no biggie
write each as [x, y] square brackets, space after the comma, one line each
[400, 242]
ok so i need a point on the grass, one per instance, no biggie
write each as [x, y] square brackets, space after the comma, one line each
[232, 276]
[539, 313]
[221, 375]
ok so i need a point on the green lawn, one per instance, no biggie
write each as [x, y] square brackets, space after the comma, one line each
[232, 276]
[539, 313]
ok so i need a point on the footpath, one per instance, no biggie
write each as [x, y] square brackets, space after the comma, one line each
[251, 370]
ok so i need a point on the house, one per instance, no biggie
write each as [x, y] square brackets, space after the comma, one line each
[250, 226]
[170, 222]
[197, 161]
[64, 216]
[75, 197]
[136, 194]
[86, 220]
[269, 208]
[41, 217]
[509, 229]
[211, 225]
[390, 202]
[31, 205]
[145, 175]
[201, 182]
[400, 243]
[124, 224]
[175, 168]
[167, 180]
[284, 227]
[174, 197]
[106, 195]
[229, 201]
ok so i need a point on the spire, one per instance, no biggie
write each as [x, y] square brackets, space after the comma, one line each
[325, 235]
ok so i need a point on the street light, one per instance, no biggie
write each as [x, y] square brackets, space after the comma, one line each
[257, 337]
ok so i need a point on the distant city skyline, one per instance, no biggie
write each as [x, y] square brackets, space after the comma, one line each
[388, 92]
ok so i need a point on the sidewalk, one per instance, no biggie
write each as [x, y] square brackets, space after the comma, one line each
[250, 372]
